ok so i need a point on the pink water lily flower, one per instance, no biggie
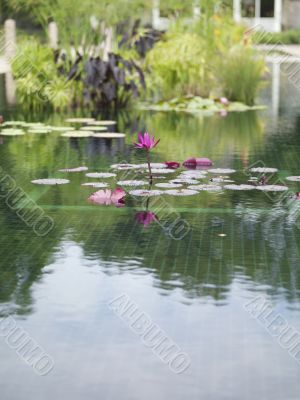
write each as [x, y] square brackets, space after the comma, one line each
[172, 164]
[145, 217]
[109, 197]
[197, 162]
[146, 142]
[224, 101]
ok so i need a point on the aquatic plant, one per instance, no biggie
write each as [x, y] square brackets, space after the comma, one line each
[172, 164]
[109, 197]
[145, 142]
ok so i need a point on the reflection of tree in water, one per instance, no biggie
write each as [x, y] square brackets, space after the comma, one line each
[272, 235]
[259, 245]
[23, 256]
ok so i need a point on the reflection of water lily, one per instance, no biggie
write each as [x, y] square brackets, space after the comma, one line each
[223, 113]
[146, 142]
[109, 197]
[172, 164]
[145, 217]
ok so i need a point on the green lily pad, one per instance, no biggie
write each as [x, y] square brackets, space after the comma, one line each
[79, 120]
[62, 128]
[77, 134]
[105, 123]
[14, 123]
[109, 135]
[12, 132]
[94, 128]
[39, 130]
[50, 181]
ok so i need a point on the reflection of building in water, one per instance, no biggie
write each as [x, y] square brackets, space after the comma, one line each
[282, 94]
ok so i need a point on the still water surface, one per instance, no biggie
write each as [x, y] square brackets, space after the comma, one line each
[241, 245]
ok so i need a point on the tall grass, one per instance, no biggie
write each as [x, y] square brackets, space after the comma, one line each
[178, 66]
[208, 58]
[239, 73]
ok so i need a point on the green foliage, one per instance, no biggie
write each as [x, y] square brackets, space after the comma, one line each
[73, 17]
[285, 37]
[177, 66]
[196, 104]
[37, 80]
[239, 73]
[208, 57]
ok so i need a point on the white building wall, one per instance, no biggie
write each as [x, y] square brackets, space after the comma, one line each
[291, 14]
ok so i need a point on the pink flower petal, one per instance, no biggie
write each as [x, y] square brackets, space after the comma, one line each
[172, 164]
[118, 194]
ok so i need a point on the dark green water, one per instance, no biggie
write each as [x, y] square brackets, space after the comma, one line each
[57, 287]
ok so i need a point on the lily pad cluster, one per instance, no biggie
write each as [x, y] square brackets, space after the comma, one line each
[196, 104]
[77, 128]
[133, 180]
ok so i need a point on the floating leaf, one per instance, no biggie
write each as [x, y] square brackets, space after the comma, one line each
[153, 165]
[146, 193]
[194, 173]
[125, 166]
[79, 120]
[220, 180]
[264, 170]
[95, 184]
[186, 181]
[105, 123]
[35, 125]
[162, 171]
[62, 128]
[293, 178]
[191, 177]
[78, 169]
[210, 188]
[50, 181]
[39, 130]
[239, 187]
[109, 135]
[14, 123]
[132, 183]
[12, 132]
[181, 192]
[93, 128]
[272, 188]
[77, 134]
[221, 171]
[100, 175]
[168, 185]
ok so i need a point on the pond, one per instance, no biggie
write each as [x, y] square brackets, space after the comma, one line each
[63, 289]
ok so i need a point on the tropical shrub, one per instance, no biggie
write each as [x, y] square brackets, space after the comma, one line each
[51, 79]
[37, 81]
